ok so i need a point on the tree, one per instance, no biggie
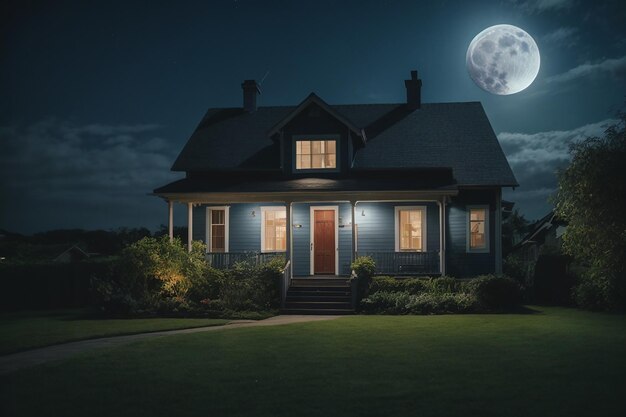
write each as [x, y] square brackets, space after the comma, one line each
[592, 199]
[514, 227]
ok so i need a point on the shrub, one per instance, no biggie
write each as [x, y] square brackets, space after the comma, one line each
[426, 303]
[441, 285]
[390, 284]
[495, 292]
[364, 267]
[246, 287]
[592, 292]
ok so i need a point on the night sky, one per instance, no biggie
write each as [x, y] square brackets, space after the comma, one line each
[98, 98]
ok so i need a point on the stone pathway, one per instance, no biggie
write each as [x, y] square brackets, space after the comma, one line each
[26, 359]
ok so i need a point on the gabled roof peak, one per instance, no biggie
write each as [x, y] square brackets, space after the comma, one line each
[313, 98]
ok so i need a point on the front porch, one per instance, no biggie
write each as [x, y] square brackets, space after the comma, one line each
[403, 236]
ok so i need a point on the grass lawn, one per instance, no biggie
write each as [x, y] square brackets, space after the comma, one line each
[25, 330]
[557, 362]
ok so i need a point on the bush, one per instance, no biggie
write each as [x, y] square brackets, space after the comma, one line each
[495, 292]
[364, 267]
[246, 287]
[426, 303]
[592, 292]
[441, 285]
[390, 284]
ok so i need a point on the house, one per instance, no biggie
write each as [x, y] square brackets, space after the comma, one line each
[543, 240]
[415, 185]
[72, 254]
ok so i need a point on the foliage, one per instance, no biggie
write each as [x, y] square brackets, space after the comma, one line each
[592, 291]
[514, 227]
[425, 303]
[494, 292]
[247, 287]
[151, 274]
[591, 200]
[156, 275]
[364, 267]
[390, 284]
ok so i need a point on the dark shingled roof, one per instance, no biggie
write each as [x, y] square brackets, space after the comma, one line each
[456, 135]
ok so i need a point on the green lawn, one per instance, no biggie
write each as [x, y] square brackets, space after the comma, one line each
[558, 362]
[25, 330]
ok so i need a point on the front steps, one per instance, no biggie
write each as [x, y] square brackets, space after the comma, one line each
[317, 295]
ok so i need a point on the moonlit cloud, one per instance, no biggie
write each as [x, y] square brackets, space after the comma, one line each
[536, 157]
[615, 67]
[540, 6]
[60, 174]
[563, 36]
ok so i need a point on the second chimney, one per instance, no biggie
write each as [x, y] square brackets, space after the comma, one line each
[250, 91]
[413, 91]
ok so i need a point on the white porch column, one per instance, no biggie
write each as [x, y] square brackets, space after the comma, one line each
[498, 231]
[289, 228]
[354, 237]
[189, 225]
[170, 205]
[442, 235]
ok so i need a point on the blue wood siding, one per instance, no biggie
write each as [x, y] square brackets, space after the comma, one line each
[376, 231]
[244, 228]
[376, 227]
[460, 263]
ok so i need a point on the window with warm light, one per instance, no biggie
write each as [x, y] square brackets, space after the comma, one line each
[274, 229]
[316, 154]
[478, 229]
[217, 229]
[410, 229]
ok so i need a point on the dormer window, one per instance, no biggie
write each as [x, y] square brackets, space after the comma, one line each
[316, 154]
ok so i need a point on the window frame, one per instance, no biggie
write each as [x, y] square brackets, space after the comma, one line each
[265, 209]
[296, 138]
[209, 240]
[468, 223]
[424, 210]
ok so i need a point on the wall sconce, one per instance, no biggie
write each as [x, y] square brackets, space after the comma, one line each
[253, 213]
[297, 226]
[363, 212]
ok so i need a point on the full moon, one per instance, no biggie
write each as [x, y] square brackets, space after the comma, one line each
[503, 59]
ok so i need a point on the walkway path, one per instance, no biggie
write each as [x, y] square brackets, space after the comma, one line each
[26, 359]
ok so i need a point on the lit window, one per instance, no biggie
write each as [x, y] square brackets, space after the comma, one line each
[316, 154]
[478, 229]
[274, 233]
[217, 229]
[411, 229]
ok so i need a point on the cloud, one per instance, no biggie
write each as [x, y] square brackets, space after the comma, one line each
[614, 66]
[59, 174]
[540, 6]
[566, 36]
[536, 157]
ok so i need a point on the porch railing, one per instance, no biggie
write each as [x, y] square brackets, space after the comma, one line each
[222, 260]
[405, 263]
[285, 282]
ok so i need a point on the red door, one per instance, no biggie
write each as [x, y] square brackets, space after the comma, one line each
[324, 242]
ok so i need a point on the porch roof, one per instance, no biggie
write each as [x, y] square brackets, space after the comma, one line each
[361, 185]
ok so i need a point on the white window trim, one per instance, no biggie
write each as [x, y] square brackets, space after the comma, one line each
[265, 209]
[468, 224]
[424, 226]
[312, 236]
[296, 138]
[209, 242]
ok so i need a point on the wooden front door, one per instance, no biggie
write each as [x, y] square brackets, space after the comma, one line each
[324, 242]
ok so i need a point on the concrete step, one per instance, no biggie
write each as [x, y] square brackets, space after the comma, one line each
[301, 288]
[320, 297]
[317, 305]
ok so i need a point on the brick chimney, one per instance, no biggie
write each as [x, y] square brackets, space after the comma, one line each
[413, 91]
[250, 91]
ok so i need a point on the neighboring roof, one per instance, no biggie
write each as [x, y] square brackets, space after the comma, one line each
[540, 228]
[456, 135]
[359, 180]
[75, 251]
